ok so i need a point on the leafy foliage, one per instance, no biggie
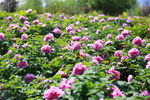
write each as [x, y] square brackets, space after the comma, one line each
[67, 51]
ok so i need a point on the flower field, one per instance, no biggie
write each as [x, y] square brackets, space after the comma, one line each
[81, 57]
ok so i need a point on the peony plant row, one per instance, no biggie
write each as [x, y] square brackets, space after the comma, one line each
[81, 57]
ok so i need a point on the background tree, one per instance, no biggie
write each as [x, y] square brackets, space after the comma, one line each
[112, 7]
[9, 5]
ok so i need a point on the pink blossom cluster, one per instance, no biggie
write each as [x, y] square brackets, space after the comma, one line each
[123, 34]
[78, 69]
[65, 84]
[97, 59]
[22, 64]
[82, 54]
[49, 37]
[47, 49]
[145, 93]
[114, 72]
[116, 92]
[2, 37]
[57, 31]
[62, 73]
[53, 93]
[97, 45]
[29, 78]
[137, 41]
[147, 58]
[118, 53]
[133, 52]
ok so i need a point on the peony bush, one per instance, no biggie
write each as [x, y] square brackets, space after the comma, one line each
[81, 57]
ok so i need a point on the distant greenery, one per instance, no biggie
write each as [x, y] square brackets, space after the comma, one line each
[33, 4]
[72, 7]
[112, 7]
[67, 6]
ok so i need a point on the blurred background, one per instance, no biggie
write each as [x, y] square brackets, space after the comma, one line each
[71, 7]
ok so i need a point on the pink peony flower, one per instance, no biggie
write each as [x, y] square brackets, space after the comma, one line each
[100, 41]
[29, 10]
[93, 21]
[119, 37]
[26, 22]
[24, 37]
[72, 33]
[109, 36]
[120, 29]
[90, 17]
[69, 28]
[46, 49]
[108, 42]
[125, 33]
[116, 92]
[129, 78]
[62, 73]
[83, 54]
[101, 99]
[124, 24]
[114, 72]
[107, 26]
[9, 51]
[16, 46]
[137, 41]
[22, 18]
[49, 15]
[26, 45]
[110, 19]
[14, 39]
[98, 31]
[97, 46]
[148, 30]
[49, 37]
[96, 18]
[85, 38]
[133, 52]
[2, 37]
[119, 63]
[97, 59]
[148, 65]
[9, 18]
[124, 57]
[53, 93]
[78, 69]
[145, 93]
[75, 38]
[29, 78]
[128, 21]
[22, 64]
[36, 21]
[23, 29]
[101, 15]
[65, 84]
[75, 45]
[57, 31]
[118, 53]
[147, 57]
[102, 20]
